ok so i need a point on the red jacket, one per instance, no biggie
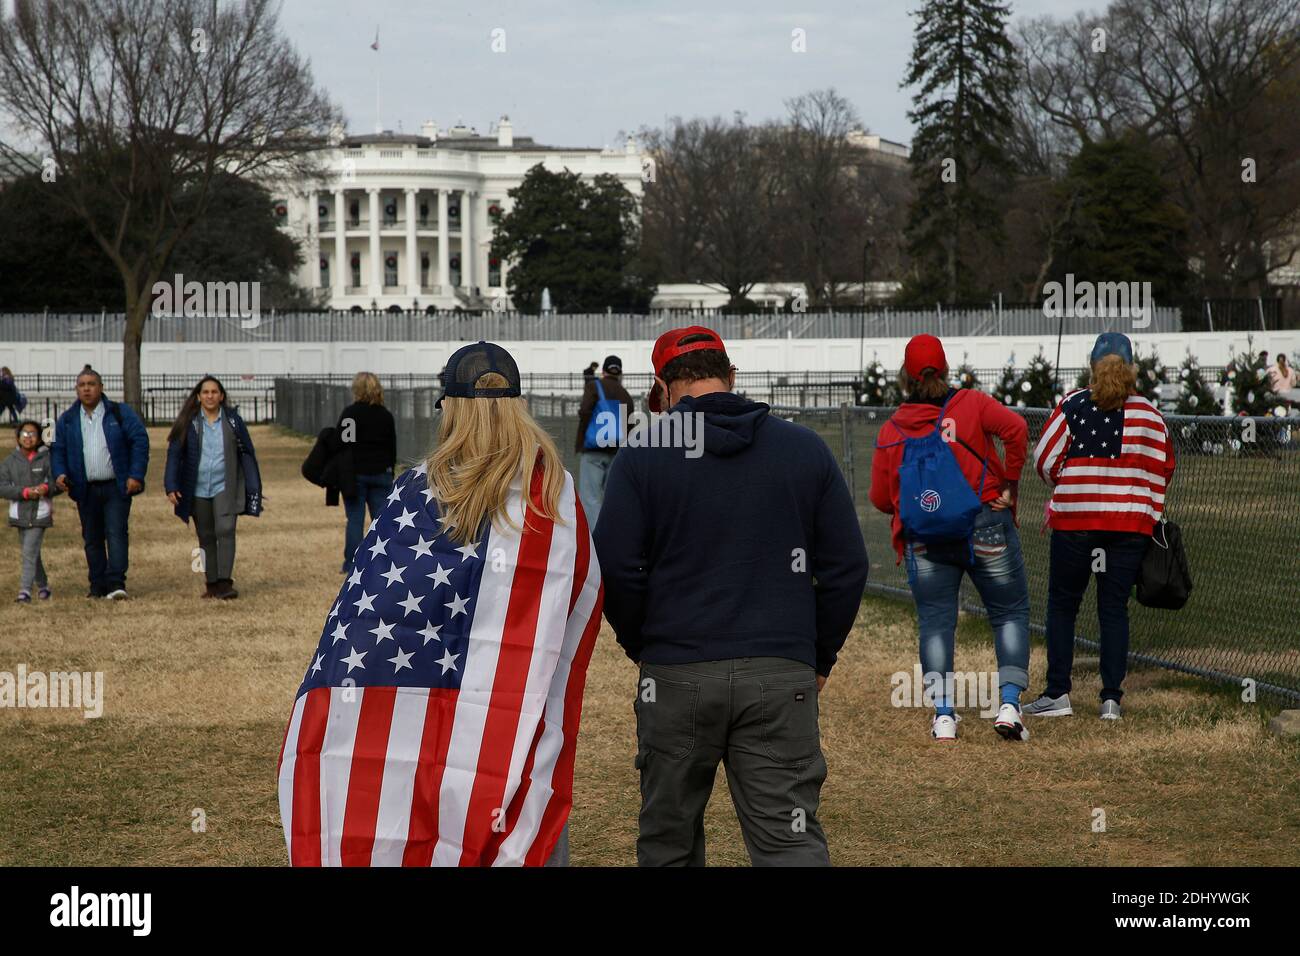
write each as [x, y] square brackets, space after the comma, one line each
[976, 418]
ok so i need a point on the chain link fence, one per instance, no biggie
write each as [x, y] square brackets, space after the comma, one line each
[1234, 494]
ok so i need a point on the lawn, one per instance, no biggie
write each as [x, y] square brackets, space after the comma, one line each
[198, 692]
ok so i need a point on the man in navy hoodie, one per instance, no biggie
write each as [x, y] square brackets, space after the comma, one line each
[732, 578]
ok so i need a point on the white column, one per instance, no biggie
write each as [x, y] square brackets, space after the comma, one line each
[412, 247]
[444, 259]
[376, 266]
[467, 249]
[313, 218]
[342, 267]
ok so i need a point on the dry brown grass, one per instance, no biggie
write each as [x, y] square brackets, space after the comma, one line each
[198, 693]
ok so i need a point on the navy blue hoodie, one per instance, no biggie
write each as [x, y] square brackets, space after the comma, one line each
[751, 550]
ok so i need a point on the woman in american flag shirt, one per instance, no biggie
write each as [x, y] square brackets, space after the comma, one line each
[1105, 450]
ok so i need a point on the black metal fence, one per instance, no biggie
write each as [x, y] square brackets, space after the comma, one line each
[1234, 495]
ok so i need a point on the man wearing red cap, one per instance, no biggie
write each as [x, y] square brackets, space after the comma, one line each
[732, 577]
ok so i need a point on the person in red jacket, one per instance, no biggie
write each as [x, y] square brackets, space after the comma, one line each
[1106, 453]
[992, 558]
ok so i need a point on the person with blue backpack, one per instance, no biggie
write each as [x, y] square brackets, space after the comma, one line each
[936, 471]
[602, 424]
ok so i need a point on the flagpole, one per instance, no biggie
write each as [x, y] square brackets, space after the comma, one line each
[379, 125]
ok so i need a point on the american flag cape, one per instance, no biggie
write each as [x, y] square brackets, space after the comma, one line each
[438, 720]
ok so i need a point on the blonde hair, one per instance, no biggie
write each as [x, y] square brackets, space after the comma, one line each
[930, 385]
[484, 444]
[1113, 380]
[366, 388]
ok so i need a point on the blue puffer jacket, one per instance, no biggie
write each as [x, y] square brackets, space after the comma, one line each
[128, 447]
[182, 473]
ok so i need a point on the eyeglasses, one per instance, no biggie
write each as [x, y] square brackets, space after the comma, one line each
[29, 434]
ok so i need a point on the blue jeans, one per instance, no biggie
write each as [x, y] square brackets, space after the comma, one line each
[104, 513]
[593, 471]
[1074, 554]
[372, 491]
[935, 571]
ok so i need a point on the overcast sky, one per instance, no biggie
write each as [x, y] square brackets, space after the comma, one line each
[579, 72]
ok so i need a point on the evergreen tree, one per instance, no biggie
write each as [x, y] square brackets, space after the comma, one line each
[1197, 396]
[966, 377]
[879, 387]
[1124, 227]
[1150, 375]
[963, 66]
[580, 240]
[1031, 387]
[1248, 379]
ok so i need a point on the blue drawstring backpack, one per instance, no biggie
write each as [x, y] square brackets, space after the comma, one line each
[935, 501]
[606, 416]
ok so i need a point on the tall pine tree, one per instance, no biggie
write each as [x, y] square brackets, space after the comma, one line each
[963, 66]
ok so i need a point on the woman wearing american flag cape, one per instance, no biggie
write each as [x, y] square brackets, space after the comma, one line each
[438, 719]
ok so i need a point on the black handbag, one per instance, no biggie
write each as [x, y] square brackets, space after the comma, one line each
[1164, 580]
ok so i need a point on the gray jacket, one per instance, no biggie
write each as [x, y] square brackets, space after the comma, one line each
[17, 473]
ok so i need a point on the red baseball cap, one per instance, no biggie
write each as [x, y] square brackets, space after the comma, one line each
[669, 345]
[924, 351]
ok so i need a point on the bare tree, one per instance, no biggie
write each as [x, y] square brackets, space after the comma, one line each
[709, 211]
[824, 221]
[134, 106]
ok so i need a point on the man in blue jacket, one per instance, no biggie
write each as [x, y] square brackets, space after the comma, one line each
[100, 457]
[732, 576]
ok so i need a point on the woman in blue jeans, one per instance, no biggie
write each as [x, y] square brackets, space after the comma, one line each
[367, 428]
[1106, 452]
[992, 557]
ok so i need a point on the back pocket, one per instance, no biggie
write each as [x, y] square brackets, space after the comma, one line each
[790, 733]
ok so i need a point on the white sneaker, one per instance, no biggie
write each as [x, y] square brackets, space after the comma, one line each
[1008, 723]
[118, 595]
[944, 727]
[1110, 710]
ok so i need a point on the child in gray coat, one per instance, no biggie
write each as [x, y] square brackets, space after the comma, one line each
[25, 480]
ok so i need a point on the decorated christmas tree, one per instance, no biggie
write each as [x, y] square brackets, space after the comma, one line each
[1150, 375]
[1032, 387]
[966, 377]
[879, 386]
[1248, 380]
[1197, 397]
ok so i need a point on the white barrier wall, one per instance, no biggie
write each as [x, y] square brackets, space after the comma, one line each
[779, 355]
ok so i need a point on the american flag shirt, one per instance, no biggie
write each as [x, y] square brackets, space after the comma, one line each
[1109, 469]
[437, 722]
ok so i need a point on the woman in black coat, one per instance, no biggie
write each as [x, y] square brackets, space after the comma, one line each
[367, 429]
[212, 476]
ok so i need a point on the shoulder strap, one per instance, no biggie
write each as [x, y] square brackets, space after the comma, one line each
[600, 391]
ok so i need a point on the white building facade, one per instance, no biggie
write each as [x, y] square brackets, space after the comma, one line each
[407, 221]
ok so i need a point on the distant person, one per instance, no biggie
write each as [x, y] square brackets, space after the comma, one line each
[27, 481]
[600, 431]
[101, 456]
[8, 394]
[1106, 453]
[960, 426]
[734, 567]
[1282, 376]
[212, 476]
[367, 429]
[437, 723]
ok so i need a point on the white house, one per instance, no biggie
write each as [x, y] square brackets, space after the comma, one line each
[404, 220]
